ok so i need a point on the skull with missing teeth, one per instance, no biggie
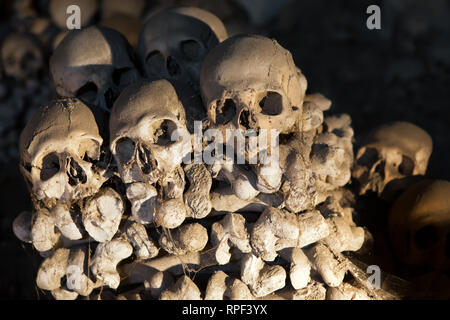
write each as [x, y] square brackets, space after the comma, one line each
[174, 42]
[393, 151]
[93, 64]
[142, 126]
[58, 148]
[252, 83]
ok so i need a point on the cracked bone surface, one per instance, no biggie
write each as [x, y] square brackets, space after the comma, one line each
[346, 291]
[93, 64]
[143, 246]
[183, 289]
[177, 230]
[58, 147]
[102, 214]
[44, 235]
[107, 256]
[274, 230]
[197, 197]
[187, 238]
[143, 122]
[230, 231]
[221, 286]
[262, 279]
[330, 266]
[299, 272]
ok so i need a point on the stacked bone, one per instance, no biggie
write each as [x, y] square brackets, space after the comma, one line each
[116, 204]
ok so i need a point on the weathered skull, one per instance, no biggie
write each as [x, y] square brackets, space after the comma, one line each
[142, 124]
[392, 151]
[21, 56]
[251, 82]
[419, 225]
[58, 147]
[93, 64]
[174, 42]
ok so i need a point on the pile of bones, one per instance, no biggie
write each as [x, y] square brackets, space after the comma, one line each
[120, 214]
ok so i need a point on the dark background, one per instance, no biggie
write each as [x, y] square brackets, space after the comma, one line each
[401, 72]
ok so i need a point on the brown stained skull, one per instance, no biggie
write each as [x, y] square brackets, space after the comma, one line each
[93, 64]
[252, 83]
[142, 124]
[174, 42]
[21, 56]
[58, 148]
[419, 225]
[393, 151]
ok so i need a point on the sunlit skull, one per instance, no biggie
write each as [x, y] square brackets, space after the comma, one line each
[58, 148]
[174, 42]
[392, 151]
[252, 83]
[143, 124]
[21, 56]
[93, 64]
[419, 225]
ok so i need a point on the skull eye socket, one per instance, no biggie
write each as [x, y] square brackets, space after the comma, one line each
[50, 166]
[225, 112]
[406, 167]
[271, 104]
[191, 49]
[163, 132]
[155, 62]
[426, 237]
[368, 158]
[88, 92]
[125, 150]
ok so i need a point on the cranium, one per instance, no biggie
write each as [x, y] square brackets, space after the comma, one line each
[21, 56]
[174, 42]
[393, 151]
[142, 124]
[419, 225]
[58, 148]
[93, 64]
[251, 82]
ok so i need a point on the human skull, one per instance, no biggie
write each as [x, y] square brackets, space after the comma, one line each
[392, 151]
[58, 148]
[93, 64]
[419, 225]
[143, 122]
[21, 56]
[252, 83]
[174, 42]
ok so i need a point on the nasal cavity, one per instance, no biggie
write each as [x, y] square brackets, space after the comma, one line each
[225, 112]
[246, 120]
[110, 97]
[173, 68]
